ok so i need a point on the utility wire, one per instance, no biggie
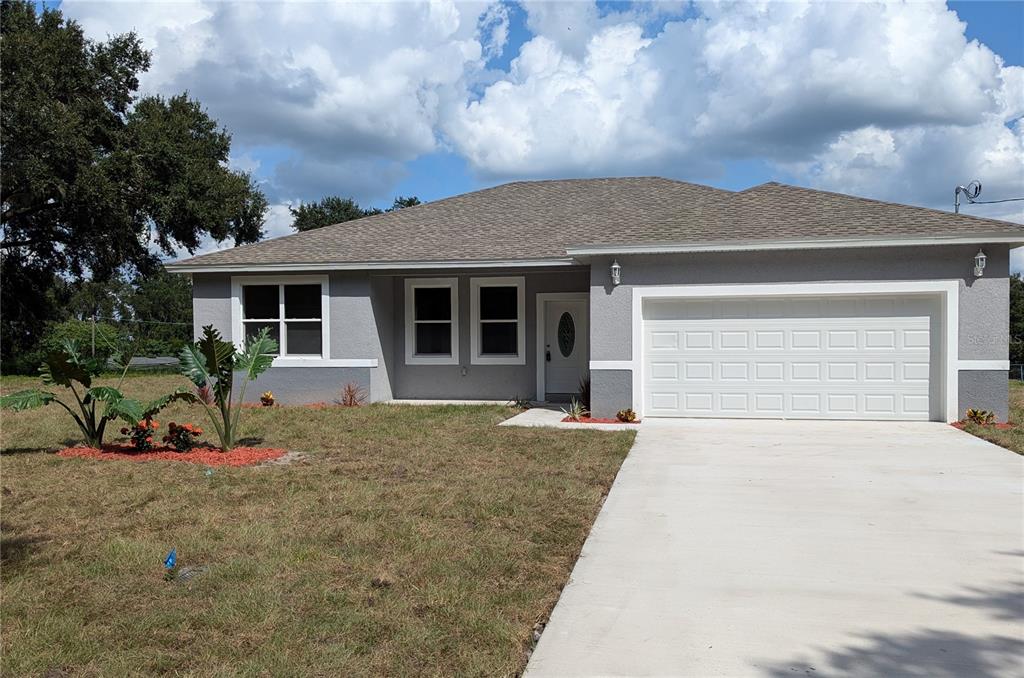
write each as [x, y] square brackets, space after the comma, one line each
[149, 322]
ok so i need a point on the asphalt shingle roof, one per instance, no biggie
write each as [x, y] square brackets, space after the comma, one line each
[539, 219]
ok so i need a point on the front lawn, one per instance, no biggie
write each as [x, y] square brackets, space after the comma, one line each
[409, 540]
[1011, 438]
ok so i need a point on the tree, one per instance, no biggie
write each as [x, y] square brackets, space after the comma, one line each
[1016, 318]
[95, 182]
[161, 311]
[334, 209]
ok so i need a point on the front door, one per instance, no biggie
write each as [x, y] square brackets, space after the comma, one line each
[566, 342]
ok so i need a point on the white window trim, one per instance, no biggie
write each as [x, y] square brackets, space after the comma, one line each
[411, 358]
[238, 332]
[476, 358]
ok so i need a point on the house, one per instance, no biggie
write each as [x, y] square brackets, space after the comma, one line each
[676, 300]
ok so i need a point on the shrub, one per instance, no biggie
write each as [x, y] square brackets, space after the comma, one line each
[141, 434]
[520, 403]
[981, 417]
[108, 337]
[352, 395]
[212, 362]
[627, 415]
[267, 399]
[182, 437]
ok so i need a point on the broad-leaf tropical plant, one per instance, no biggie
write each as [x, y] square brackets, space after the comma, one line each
[92, 407]
[212, 363]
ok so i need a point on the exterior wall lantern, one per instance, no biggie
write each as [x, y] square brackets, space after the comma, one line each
[616, 272]
[979, 264]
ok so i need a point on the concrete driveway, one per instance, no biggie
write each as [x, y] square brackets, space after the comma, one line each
[789, 548]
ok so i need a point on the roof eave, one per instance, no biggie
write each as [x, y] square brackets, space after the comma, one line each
[582, 251]
[286, 267]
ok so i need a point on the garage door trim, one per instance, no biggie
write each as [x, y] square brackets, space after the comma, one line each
[946, 290]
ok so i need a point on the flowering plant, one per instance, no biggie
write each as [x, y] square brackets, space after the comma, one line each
[182, 437]
[267, 399]
[142, 433]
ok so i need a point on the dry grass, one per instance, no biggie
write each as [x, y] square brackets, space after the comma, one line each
[409, 541]
[1010, 438]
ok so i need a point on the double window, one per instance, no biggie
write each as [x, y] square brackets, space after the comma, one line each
[497, 313]
[294, 312]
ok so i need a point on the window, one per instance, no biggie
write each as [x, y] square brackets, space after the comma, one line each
[432, 321]
[294, 310]
[498, 330]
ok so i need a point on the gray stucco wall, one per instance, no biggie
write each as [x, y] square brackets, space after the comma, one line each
[211, 303]
[367, 316]
[353, 334]
[303, 385]
[465, 380]
[985, 390]
[983, 307]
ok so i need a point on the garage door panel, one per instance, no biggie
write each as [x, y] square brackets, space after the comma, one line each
[809, 358]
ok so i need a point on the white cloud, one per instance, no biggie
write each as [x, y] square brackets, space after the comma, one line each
[885, 100]
[333, 82]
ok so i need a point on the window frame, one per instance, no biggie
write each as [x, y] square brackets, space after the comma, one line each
[411, 285]
[283, 359]
[478, 358]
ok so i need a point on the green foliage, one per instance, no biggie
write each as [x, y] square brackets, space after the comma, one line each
[1016, 318]
[109, 338]
[27, 400]
[70, 368]
[211, 363]
[94, 177]
[164, 301]
[334, 209]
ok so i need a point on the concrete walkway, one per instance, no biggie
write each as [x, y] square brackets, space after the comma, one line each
[775, 548]
[549, 416]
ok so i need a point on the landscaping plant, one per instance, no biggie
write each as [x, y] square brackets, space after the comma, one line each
[585, 394]
[267, 399]
[627, 415]
[981, 417]
[142, 434]
[182, 437]
[352, 395]
[92, 407]
[212, 362]
[576, 411]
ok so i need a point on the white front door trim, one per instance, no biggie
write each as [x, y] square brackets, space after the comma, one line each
[948, 291]
[542, 299]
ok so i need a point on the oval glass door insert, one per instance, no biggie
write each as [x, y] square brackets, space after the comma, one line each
[566, 334]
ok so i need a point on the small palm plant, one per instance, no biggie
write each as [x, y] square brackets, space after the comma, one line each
[93, 407]
[212, 362]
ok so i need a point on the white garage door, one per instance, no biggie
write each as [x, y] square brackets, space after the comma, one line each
[806, 358]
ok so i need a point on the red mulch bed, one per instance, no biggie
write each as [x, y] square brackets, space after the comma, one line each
[598, 420]
[1005, 426]
[207, 456]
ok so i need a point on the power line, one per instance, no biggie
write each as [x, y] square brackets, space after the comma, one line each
[148, 322]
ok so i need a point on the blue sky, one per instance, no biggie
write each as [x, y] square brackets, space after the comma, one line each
[893, 101]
